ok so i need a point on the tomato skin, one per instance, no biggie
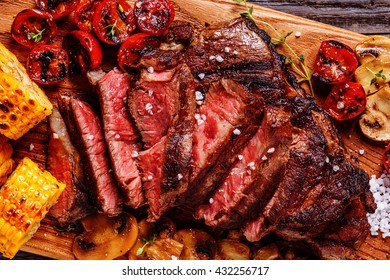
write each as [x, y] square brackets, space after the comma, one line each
[47, 64]
[83, 14]
[33, 21]
[84, 51]
[115, 16]
[386, 158]
[153, 16]
[131, 50]
[345, 101]
[57, 8]
[335, 63]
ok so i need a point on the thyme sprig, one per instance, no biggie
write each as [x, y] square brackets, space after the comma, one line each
[300, 68]
[147, 242]
[111, 29]
[36, 36]
[67, 228]
[377, 75]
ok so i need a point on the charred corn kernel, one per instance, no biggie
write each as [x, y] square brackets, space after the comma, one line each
[5, 169]
[25, 199]
[22, 103]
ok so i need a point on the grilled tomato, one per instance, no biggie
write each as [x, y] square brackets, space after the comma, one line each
[84, 51]
[335, 63]
[32, 27]
[130, 51]
[153, 16]
[57, 8]
[345, 101]
[47, 64]
[113, 21]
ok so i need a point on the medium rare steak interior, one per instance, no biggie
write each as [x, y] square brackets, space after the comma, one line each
[222, 128]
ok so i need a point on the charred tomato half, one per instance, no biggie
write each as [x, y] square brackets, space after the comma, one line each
[84, 51]
[113, 21]
[335, 62]
[33, 27]
[47, 64]
[345, 101]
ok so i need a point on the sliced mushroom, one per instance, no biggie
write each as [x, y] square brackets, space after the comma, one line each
[268, 252]
[372, 48]
[374, 56]
[105, 238]
[163, 228]
[229, 249]
[375, 122]
[164, 249]
[198, 244]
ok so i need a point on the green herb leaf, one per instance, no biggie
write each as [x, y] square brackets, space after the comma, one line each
[301, 58]
[140, 250]
[238, 1]
[67, 228]
[36, 36]
[373, 81]
[112, 27]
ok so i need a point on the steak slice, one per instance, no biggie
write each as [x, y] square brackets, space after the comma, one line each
[255, 175]
[64, 162]
[226, 121]
[122, 138]
[86, 133]
[163, 105]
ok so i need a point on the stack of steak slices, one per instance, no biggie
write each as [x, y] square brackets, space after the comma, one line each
[222, 128]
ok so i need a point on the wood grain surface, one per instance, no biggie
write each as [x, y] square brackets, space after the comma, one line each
[49, 243]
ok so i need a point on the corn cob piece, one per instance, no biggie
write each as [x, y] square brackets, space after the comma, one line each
[25, 199]
[23, 104]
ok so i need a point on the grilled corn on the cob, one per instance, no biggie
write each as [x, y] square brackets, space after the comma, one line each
[25, 199]
[22, 103]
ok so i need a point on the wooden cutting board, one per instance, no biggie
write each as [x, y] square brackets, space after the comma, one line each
[52, 243]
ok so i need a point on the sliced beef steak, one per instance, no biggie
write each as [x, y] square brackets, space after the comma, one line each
[163, 105]
[121, 135]
[86, 133]
[64, 162]
[228, 118]
[255, 175]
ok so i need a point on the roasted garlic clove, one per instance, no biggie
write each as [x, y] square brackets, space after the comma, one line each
[268, 252]
[375, 122]
[229, 249]
[198, 244]
[105, 238]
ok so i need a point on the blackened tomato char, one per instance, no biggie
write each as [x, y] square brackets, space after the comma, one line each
[84, 51]
[335, 62]
[113, 21]
[83, 14]
[47, 64]
[32, 27]
[57, 8]
[132, 49]
[154, 16]
[346, 101]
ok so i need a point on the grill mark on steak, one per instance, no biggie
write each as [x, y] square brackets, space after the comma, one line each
[254, 177]
[163, 105]
[86, 133]
[121, 136]
[225, 122]
[64, 162]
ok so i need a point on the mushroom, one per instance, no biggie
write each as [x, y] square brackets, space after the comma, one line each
[375, 122]
[230, 249]
[198, 244]
[155, 241]
[105, 238]
[374, 56]
[267, 252]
